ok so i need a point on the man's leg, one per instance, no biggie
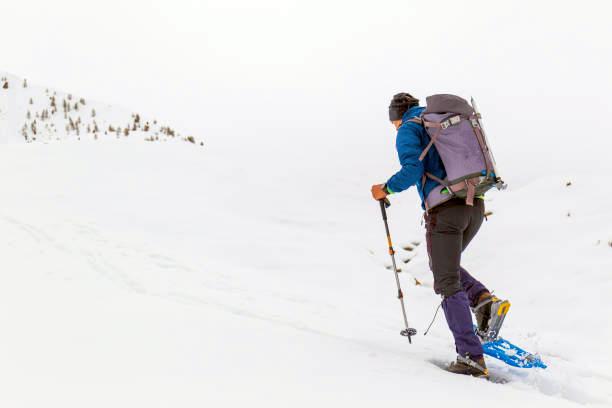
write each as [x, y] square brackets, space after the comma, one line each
[445, 228]
[459, 318]
[490, 311]
[470, 285]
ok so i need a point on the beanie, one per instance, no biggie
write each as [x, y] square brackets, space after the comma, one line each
[400, 103]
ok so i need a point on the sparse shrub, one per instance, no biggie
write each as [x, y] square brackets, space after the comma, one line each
[190, 139]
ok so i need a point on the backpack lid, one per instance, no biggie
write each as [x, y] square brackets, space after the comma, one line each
[445, 103]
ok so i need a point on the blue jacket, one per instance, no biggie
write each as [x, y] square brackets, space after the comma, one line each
[410, 142]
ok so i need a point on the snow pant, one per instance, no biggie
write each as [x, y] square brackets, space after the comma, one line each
[450, 228]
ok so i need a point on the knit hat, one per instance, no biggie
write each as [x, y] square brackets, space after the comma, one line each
[400, 104]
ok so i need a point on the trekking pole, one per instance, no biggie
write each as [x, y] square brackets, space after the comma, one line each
[409, 331]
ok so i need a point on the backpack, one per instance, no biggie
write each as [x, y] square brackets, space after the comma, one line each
[455, 129]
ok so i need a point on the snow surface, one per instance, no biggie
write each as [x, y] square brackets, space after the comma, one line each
[253, 272]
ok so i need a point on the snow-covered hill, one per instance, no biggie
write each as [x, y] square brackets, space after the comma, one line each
[214, 281]
[32, 113]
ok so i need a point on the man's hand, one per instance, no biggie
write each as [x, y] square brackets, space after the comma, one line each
[378, 192]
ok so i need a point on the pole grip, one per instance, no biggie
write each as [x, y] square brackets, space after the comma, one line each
[384, 204]
[383, 211]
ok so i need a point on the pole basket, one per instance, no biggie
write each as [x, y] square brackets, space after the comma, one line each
[408, 332]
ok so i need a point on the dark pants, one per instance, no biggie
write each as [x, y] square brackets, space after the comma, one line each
[450, 228]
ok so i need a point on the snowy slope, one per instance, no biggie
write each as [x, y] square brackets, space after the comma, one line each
[210, 281]
[32, 113]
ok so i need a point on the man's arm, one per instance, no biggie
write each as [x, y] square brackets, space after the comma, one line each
[408, 144]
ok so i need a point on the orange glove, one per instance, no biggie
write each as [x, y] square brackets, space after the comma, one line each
[379, 192]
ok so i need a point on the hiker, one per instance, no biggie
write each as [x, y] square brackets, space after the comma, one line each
[450, 226]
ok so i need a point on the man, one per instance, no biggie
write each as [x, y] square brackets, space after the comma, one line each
[449, 229]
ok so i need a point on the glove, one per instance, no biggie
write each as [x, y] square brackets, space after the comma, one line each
[379, 192]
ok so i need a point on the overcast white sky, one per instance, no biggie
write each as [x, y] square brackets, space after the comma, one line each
[214, 65]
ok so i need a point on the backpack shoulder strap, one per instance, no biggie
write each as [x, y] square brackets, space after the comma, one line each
[416, 120]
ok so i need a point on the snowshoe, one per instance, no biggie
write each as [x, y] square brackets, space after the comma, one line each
[511, 354]
[469, 366]
[490, 314]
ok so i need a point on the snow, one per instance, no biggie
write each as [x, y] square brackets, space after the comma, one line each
[34, 113]
[152, 285]
[253, 271]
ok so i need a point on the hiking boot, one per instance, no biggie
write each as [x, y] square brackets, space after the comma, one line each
[490, 314]
[468, 366]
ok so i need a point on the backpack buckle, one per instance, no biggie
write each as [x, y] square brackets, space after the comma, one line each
[450, 122]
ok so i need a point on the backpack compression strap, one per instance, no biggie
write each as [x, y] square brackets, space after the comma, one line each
[440, 127]
[420, 121]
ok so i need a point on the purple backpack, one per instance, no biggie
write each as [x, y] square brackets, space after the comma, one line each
[456, 131]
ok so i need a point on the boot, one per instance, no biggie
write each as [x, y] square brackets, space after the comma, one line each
[467, 366]
[490, 314]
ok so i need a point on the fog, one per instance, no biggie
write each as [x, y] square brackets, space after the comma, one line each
[321, 69]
